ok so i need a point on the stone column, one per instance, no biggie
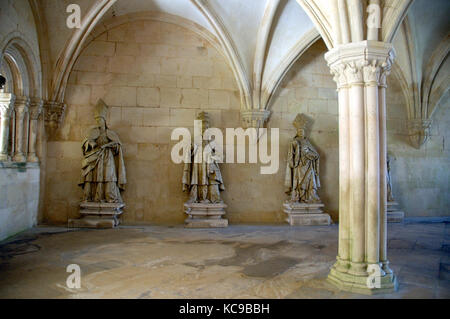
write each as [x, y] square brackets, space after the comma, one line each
[35, 111]
[6, 109]
[357, 168]
[359, 70]
[21, 110]
[383, 170]
[344, 171]
[371, 81]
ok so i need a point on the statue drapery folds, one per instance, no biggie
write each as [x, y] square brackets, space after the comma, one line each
[201, 174]
[302, 170]
[103, 171]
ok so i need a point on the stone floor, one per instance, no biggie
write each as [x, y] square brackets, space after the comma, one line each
[236, 262]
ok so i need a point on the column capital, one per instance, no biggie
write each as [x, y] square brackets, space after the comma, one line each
[54, 113]
[254, 118]
[21, 105]
[361, 63]
[36, 107]
[419, 131]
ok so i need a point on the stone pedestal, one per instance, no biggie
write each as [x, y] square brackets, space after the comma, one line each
[303, 214]
[98, 215]
[203, 215]
[394, 214]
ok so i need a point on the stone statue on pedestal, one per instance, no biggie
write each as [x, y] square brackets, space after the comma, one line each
[302, 180]
[103, 170]
[394, 214]
[103, 175]
[203, 180]
[201, 175]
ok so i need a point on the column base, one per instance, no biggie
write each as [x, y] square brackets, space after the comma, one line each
[385, 284]
[5, 158]
[305, 214]
[394, 214]
[19, 158]
[97, 215]
[205, 215]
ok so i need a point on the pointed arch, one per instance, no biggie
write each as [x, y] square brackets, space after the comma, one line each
[277, 76]
[231, 51]
[322, 24]
[17, 48]
[73, 47]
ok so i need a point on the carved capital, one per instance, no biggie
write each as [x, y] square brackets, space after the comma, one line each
[6, 104]
[338, 72]
[372, 71]
[361, 63]
[53, 115]
[254, 118]
[36, 107]
[354, 73]
[419, 131]
[21, 106]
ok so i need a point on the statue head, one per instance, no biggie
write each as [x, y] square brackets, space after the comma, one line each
[100, 113]
[300, 123]
[203, 116]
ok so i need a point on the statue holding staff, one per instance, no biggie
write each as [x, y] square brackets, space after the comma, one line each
[103, 170]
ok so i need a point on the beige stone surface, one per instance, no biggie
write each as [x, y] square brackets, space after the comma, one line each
[150, 105]
[394, 214]
[304, 214]
[236, 262]
[148, 84]
[205, 215]
[19, 197]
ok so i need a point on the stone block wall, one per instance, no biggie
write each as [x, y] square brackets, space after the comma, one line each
[157, 76]
[309, 88]
[420, 177]
[19, 197]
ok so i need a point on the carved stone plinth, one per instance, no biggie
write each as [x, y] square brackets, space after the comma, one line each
[304, 214]
[98, 215]
[394, 214]
[202, 215]
[363, 284]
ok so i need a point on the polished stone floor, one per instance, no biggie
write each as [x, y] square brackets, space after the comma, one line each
[236, 262]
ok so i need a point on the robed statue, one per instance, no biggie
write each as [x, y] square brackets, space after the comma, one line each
[201, 175]
[103, 171]
[302, 171]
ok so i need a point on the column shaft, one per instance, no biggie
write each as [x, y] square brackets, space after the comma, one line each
[21, 110]
[35, 111]
[344, 174]
[383, 173]
[357, 173]
[373, 175]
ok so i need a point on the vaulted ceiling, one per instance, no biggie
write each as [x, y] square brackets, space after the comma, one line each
[260, 39]
[423, 45]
